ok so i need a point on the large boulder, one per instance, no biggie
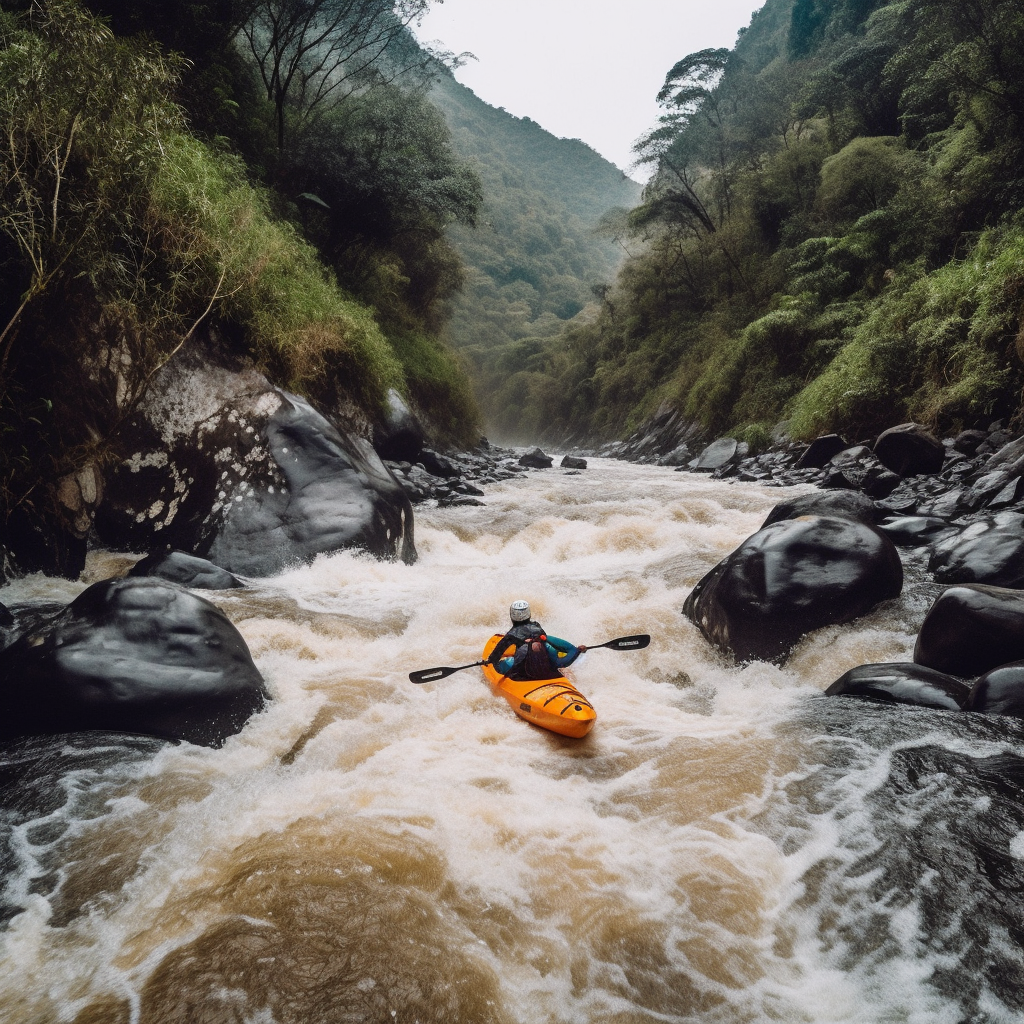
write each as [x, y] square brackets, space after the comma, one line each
[838, 504]
[999, 692]
[226, 467]
[989, 550]
[399, 436]
[186, 570]
[573, 462]
[716, 455]
[902, 683]
[791, 578]
[821, 450]
[437, 464]
[910, 450]
[132, 655]
[971, 629]
[536, 459]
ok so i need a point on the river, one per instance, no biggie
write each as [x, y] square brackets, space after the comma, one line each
[726, 846]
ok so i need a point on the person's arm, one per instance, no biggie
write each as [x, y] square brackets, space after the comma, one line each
[565, 652]
[501, 647]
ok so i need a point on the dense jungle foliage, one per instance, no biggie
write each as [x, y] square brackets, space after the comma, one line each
[833, 235]
[170, 166]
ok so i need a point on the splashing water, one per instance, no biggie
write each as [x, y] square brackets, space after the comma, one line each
[726, 845]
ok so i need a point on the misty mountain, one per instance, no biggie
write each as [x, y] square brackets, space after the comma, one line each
[534, 259]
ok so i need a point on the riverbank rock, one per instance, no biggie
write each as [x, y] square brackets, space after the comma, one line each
[821, 451]
[228, 468]
[989, 550]
[716, 456]
[573, 462]
[916, 531]
[838, 504]
[399, 436]
[902, 683]
[910, 450]
[859, 469]
[666, 433]
[536, 459]
[791, 578]
[971, 629]
[133, 655]
[967, 442]
[999, 692]
[186, 570]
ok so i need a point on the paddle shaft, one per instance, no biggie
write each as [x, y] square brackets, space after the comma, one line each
[623, 643]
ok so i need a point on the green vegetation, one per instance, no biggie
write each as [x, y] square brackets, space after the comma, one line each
[535, 254]
[123, 227]
[833, 234]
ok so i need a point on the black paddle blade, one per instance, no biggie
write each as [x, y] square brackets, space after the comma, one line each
[627, 643]
[428, 675]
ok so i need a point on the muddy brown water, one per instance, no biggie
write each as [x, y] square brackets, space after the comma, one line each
[726, 846]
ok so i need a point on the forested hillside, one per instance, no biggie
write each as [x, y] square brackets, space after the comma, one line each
[833, 236]
[534, 255]
[268, 170]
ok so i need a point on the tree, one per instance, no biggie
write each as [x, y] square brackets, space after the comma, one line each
[311, 53]
[380, 180]
[82, 115]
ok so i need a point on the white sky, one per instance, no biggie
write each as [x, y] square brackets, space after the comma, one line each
[583, 70]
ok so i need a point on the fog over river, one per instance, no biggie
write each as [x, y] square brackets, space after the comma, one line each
[727, 845]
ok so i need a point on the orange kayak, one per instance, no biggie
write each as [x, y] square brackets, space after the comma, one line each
[550, 703]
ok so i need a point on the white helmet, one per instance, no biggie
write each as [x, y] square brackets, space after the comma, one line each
[519, 611]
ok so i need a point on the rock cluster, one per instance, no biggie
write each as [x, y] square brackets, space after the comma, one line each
[959, 502]
[969, 655]
[144, 655]
[456, 478]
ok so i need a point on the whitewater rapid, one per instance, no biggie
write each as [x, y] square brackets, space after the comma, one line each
[727, 844]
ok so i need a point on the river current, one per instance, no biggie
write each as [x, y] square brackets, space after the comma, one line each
[727, 845]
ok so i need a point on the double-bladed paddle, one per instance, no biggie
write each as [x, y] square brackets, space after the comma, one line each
[623, 643]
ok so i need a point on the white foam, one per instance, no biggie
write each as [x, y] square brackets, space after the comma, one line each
[630, 870]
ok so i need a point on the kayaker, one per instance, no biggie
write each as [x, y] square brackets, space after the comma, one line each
[537, 655]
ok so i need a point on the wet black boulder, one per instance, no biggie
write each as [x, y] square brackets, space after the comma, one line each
[916, 531]
[839, 504]
[536, 459]
[971, 629]
[188, 570]
[910, 450]
[999, 692]
[399, 436]
[573, 462]
[791, 578]
[222, 465]
[131, 655]
[990, 550]
[821, 450]
[902, 683]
